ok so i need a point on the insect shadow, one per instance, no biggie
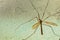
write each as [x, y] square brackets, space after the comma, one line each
[40, 21]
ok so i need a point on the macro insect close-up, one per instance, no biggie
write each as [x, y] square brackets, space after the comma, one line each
[30, 20]
[41, 20]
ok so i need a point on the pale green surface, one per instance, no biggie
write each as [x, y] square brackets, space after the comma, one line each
[11, 18]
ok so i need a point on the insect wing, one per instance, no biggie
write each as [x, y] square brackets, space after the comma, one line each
[35, 25]
[51, 23]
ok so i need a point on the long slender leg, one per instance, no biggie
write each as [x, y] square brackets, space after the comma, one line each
[45, 9]
[30, 35]
[25, 22]
[34, 8]
[51, 15]
[52, 30]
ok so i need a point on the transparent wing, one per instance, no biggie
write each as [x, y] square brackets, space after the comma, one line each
[35, 25]
[51, 23]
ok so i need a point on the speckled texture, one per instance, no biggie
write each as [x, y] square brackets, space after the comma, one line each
[16, 12]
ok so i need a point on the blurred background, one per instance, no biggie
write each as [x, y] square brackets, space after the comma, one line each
[15, 12]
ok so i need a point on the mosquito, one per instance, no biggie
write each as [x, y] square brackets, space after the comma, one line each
[40, 20]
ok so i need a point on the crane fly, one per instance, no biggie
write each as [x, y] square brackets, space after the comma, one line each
[40, 21]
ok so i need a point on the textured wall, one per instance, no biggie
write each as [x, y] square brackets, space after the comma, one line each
[15, 12]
